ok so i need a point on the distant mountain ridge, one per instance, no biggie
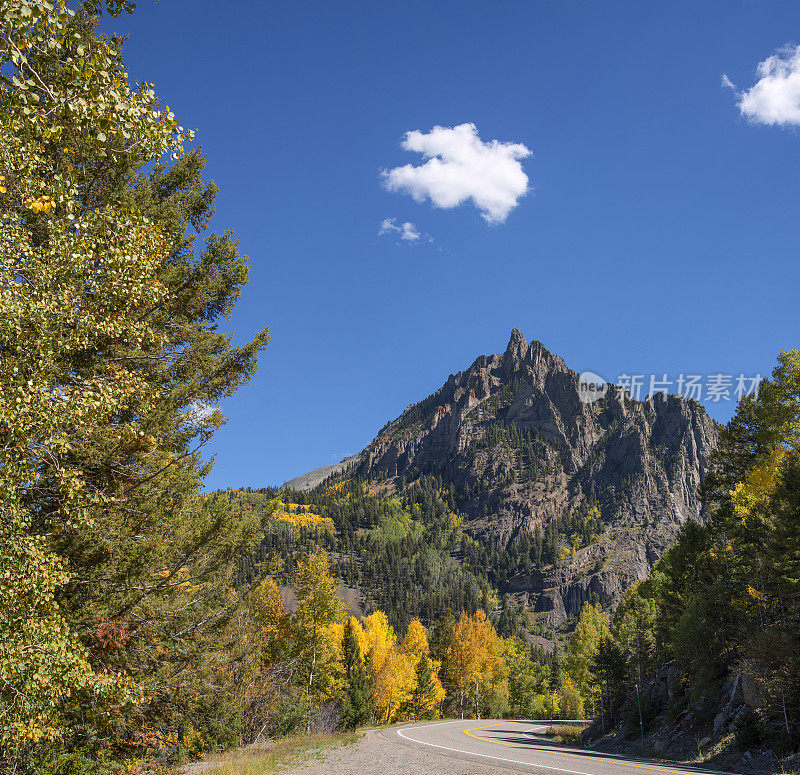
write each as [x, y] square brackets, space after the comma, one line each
[313, 478]
[524, 452]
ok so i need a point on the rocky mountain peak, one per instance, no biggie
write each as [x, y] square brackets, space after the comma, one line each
[524, 452]
[517, 344]
[516, 354]
[608, 484]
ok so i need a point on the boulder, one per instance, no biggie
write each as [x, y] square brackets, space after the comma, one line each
[746, 758]
[736, 697]
[751, 691]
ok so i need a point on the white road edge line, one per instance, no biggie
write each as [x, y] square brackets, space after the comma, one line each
[485, 755]
[667, 768]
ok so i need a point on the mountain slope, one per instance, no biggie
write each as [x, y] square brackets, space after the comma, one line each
[610, 482]
[313, 478]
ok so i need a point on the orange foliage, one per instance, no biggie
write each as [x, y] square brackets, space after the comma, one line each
[107, 634]
[299, 515]
[475, 658]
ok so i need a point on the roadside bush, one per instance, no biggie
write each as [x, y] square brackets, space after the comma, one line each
[649, 712]
[327, 719]
[73, 763]
[290, 715]
[566, 733]
[750, 730]
[495, 705]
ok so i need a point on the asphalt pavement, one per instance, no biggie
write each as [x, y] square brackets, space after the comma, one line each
[520, 746]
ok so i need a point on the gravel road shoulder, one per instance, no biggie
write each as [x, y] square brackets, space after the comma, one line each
[376, 753]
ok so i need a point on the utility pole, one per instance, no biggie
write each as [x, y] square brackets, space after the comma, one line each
[641, 723]
[785, 717]
[602, 714]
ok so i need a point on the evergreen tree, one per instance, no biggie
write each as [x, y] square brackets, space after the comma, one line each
[369, 666]
[510, 621]
[725, 597]
[423, 697]
[357, 706]
[108, 332]
[110, 301]
[610, 667]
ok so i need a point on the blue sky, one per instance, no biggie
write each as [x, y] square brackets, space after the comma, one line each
[659, 233]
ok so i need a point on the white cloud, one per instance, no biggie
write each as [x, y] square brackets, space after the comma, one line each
[461, 167]
[727, 83]
[198, 413]
[775, 97]
[406, 231]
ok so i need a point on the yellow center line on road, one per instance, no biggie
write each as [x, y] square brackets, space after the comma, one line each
[575, 755]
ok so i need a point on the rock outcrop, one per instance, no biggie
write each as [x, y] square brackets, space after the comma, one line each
[679, 723]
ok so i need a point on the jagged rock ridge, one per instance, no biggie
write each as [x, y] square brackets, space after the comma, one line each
[513, 436]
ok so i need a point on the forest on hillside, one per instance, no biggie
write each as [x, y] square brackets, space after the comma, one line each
[408, 553]
[144, 623]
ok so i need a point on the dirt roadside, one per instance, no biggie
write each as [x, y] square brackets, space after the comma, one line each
[376, 754]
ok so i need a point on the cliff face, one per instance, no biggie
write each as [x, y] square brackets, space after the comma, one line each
[522, 449]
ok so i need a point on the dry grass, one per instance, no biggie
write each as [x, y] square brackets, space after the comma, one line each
[288, 750]
[566, 733]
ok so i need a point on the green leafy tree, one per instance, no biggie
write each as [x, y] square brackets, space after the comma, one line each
[118, 570]
[77, 275]
[528, 680]
[318, 607]
[634, 628]
[593, 626]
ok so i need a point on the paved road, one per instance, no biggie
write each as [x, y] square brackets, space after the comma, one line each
[520, 746]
